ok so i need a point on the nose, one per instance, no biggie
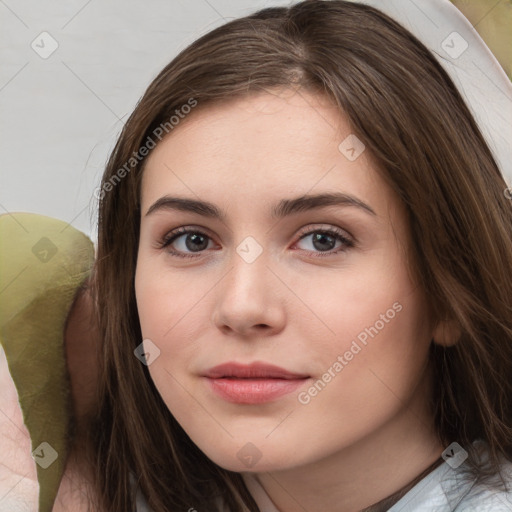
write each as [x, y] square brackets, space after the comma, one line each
[250, 299]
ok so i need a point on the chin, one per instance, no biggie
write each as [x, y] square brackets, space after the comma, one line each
[253, 457]
[261, 466]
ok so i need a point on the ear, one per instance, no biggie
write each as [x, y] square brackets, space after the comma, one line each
[446, 333]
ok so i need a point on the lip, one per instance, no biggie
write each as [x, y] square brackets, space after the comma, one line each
[253, 383]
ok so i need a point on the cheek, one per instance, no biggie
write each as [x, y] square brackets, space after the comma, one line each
[362, 385]
[379, 337]
[367, 305]
[380, 360]
[171, 314]
[163, 298]
[166, 318]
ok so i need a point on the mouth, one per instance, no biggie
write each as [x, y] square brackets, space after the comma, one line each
[255, 383]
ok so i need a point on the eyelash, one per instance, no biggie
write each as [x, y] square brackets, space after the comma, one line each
[169, 238]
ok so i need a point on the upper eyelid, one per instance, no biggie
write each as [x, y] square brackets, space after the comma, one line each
[306, 229]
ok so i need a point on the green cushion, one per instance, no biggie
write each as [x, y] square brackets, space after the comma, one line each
[43, 262]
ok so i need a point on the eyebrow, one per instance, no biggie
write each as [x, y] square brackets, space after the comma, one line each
[282, 209]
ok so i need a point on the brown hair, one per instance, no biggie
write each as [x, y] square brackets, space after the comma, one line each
[412, 119]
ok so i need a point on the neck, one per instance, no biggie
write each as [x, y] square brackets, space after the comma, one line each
[385, 504]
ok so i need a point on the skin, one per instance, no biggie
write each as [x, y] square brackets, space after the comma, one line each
[18, 477]
[369, 431]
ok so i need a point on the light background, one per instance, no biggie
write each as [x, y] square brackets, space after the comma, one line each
[60, 116]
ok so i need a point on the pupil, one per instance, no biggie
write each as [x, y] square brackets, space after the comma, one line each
[320, 237]
[195, 246]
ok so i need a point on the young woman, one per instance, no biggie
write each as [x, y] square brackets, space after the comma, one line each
[315, 252]
[302, 279]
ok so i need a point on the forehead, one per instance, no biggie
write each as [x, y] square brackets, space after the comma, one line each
[262, 148]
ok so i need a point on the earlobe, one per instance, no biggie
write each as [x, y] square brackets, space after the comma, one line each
[446, 333]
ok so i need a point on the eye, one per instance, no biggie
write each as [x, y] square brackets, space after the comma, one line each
[324, 240]
[192, 240]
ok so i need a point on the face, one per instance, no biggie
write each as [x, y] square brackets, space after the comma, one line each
[276, 323]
